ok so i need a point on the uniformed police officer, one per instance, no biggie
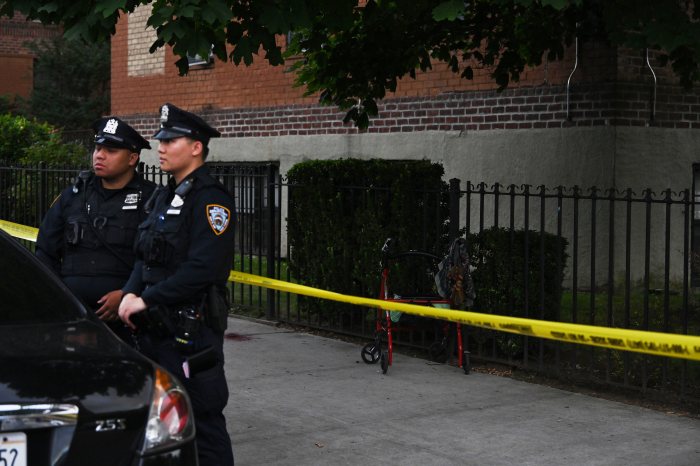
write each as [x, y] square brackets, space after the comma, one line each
[176, 292]
[87, 236]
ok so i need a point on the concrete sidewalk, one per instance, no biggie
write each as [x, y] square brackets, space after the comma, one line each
[301, 399]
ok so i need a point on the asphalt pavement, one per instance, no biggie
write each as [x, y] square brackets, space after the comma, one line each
[303, 399]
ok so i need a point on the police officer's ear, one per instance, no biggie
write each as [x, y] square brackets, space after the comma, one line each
[197, 147]
[133, 159]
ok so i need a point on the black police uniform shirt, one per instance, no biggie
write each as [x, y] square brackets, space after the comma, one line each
[185, 244]
[73, 234]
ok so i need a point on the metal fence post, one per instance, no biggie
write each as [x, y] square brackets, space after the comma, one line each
[43, 191]
[454, 208]
[271, 233]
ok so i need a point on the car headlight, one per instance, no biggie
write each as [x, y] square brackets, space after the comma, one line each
[170, 420]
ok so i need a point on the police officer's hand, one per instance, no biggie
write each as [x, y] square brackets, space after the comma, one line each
[131, 304]
[109, 310]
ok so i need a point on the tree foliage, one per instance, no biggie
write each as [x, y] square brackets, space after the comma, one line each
[351, 54]
[28, 141]
[71, 84]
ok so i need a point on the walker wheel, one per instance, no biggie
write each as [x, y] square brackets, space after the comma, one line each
[384, 362]
[370, 353]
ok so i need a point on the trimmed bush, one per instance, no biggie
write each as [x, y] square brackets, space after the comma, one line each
[18, 133]
[55, 153]
[500, 277]
[499, 257]
[28, 141]
[342, 211]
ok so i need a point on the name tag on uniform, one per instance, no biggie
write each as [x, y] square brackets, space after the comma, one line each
[175, 205]
[129, 207]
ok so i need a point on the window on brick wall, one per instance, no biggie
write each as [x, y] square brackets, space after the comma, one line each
[197, 61]
[290, 37]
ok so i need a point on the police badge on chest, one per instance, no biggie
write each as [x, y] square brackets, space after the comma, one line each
[131, 201]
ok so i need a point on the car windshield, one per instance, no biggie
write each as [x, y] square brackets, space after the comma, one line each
[27, 293]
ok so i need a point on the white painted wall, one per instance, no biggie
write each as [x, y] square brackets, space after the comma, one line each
[606, 157]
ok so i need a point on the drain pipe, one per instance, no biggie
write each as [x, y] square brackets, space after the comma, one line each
[568, 84]
[653, 100]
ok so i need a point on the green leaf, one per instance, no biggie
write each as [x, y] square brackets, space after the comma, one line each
[560, 4]
[188, 11]
[338, 14]
[160, 15]
[183, 66]
[242, 51]
[208, 15]
[216, 9]
[273, 19]
[108, 7]
[50, 7]
[77, 31]
[156, 45]
[448, 10]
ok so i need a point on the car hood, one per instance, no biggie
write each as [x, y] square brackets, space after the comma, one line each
[81, 363]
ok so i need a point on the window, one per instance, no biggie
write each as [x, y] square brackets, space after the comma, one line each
[199, 61]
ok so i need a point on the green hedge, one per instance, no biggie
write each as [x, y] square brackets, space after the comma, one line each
[26, 193]
[499, 278]
[342, 211]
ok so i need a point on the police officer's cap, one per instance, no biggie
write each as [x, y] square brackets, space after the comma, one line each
[112, 132]
[175, 123]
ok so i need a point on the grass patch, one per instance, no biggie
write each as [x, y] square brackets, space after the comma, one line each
[252, 301]
[651, 311]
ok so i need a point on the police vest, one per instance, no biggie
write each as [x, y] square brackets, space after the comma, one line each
[162, 240]
[164, 237]
[100, 231]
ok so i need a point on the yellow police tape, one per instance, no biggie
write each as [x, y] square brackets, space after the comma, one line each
[659, 344]
[654, 343]
[19, 231]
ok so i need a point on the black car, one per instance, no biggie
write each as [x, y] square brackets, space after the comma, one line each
[71, 392]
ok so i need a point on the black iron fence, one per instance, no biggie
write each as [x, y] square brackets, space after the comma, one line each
[27, 192]
[629, 266]
[629, 263]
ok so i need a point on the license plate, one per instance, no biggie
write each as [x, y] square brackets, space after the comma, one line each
[13, 449]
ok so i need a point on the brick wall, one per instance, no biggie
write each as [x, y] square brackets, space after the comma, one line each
[522, 108]
[139, 39]
[15, 32]
[608, 87]
[225, 85]
[16, 60]
[17, 75]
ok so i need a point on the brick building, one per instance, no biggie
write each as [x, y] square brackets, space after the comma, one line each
[604, 117]
[16, 60]
[615, 112]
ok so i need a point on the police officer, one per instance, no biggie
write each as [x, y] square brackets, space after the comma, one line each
[176, 293]
[87, 236]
